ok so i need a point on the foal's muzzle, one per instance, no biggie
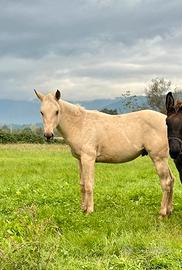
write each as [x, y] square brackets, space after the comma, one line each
[175, 147]
[174, 154]
[48, 136]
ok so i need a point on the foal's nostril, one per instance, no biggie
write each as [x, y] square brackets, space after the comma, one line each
[48, 136]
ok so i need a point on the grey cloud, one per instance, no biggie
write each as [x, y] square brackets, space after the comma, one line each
[82, 45]
[34, 28]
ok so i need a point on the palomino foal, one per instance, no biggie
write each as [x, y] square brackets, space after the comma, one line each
[97, 137]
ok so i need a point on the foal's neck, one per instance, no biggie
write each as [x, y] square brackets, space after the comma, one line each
[71, 119]
[70, 109]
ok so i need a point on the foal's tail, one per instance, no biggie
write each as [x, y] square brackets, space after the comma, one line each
[144, 152]
[171, 175]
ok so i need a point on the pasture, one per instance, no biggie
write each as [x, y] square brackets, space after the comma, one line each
[42, 226]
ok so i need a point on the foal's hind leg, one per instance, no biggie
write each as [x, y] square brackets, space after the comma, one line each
[166, 180]
[170, 204]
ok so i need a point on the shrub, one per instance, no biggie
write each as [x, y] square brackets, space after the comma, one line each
[23, 136]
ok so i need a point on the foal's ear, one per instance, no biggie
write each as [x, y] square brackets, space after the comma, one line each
[170, 103]
[39, 95]
[58, 94]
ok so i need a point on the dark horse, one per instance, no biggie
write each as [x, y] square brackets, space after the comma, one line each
[174, 130]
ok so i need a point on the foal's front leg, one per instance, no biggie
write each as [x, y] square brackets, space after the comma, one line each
[87, 181]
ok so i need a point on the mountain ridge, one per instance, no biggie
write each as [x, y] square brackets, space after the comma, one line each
[27, 112]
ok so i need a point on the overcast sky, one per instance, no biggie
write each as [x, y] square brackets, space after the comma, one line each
[88, 48]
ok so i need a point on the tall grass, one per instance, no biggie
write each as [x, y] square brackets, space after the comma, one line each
[42, 226]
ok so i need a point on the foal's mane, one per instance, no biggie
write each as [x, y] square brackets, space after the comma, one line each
[178, 105]
[72, 108]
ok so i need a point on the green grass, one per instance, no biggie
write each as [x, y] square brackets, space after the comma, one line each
[42, 226]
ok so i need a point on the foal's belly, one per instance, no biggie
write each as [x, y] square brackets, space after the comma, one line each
[117, 157]
[110, 152]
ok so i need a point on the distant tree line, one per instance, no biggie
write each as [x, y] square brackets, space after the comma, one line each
[109, 111]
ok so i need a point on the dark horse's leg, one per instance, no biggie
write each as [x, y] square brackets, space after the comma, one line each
[178, 163]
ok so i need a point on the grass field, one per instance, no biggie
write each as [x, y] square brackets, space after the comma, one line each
[42, 227]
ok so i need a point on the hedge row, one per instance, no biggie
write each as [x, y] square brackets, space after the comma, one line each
[22, 137]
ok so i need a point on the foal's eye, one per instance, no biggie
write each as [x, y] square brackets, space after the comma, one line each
[42, 113]
[57, 112]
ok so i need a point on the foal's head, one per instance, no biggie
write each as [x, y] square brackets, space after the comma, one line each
[174, 125]
[50, 111]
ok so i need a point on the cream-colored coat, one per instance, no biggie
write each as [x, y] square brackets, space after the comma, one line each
[97, 137]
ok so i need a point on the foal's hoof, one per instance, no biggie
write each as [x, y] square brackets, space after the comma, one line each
[162, 214]
[88, 210]
[165, 214]
[169, 212]
[161, 217]
[83, 208]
